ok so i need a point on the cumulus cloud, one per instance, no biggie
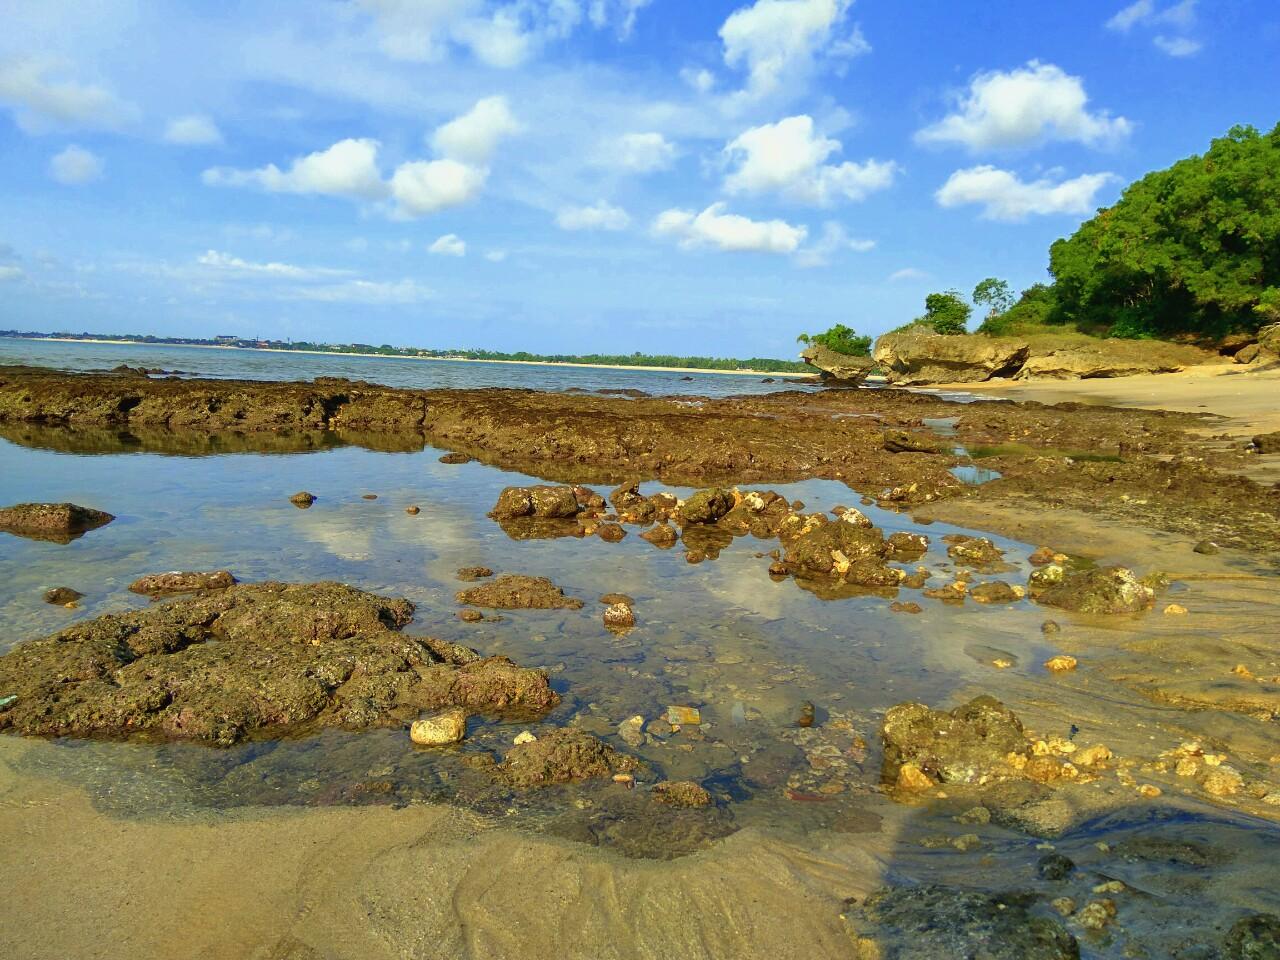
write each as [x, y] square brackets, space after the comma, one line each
[789, 158]
[1171, 25]
[496, 256]
[598, 216]
[700, 79]
[363, 291]
[423, 187]
[193, 130]
[9, 272]
[473, 136]
[621, 13]
[715, 228]
[907, 274]
[75, 166]
[834, 241]
[449, 245]
[1003, 196]
[1025, 106]
[349, 168]
[228, 264]
[775, 41]
[637, 153]
[44, 98]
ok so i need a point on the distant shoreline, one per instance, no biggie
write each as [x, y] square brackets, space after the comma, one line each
[383, 356]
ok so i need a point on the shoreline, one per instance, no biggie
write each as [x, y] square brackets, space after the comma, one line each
[383, 356]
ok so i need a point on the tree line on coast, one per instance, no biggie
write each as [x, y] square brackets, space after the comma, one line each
[1191, 252]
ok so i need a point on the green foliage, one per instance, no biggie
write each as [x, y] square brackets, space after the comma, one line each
[946, 313]
[994, 294]
[841, 339]
[1191, 249]
[1036, 309]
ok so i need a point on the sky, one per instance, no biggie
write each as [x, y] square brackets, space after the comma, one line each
[572, 176]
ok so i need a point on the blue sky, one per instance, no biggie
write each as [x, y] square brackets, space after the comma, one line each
[685, 176]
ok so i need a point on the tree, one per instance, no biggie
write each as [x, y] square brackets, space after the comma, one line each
[1190, 249]
[841, 339]
[947, 313]
[1036, 308]
[994, 294]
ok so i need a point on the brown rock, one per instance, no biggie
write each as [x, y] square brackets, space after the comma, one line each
[455, 458]
[302, 499]
[619, 616]
[519, 592]
[57, 522]
[681, 793]
[166, 584]
[562, 756]
[61, 596]
[470, 574]
[663, 536]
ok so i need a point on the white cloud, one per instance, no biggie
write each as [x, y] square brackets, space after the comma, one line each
[473, 136]
[449, 245]
[637, 153]
[349, 168]
[1177, 18]
[42, 100]
[788, 157]
[599, 216]
[226, 263]
[496, 256]
[193, 130]
[499, 34]
[1004, 196]
[620, 12]
[834, 240]
[1177, 46]
[8, 273]
[778, 40]
[75, 166]
[422, 187]
[1025, 106]
[363, 291]
[700, 79]
[727, 231]
[907, 274]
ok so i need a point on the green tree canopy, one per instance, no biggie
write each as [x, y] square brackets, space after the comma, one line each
[947, 313]
[841, 339]
[1194, 248]
[994, 294]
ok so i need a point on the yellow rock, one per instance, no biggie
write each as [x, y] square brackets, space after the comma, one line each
[1149, 790]
[1093, 755]
[1187, 767]
[450, 726]
[1001, 663]
[1061, 663]
[1175, 609]
[911, 777]
[1222, 782]
[683, 716]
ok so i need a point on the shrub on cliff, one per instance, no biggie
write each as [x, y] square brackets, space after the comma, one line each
[841, 339]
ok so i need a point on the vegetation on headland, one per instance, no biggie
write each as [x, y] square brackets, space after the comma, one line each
[761, 364]
[839, 338]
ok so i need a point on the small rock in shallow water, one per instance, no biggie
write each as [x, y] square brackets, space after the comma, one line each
[368, 496]
[524, 736]
[619, 616]
[302, 499]
[1207, 547]
[470, 574]
[413, 510]
[912, 778]
[455, 458]
[61, 596]
[166, 584]
[663, 535]
[56, 522]
[448, 726]
[1253, 938]
[631, 731]
[1055, 867]
[908, 606]
[1097, 914]
[1061, 663]
[1050, 626]
[683, 716]
[1175, 610]
[681, 793]
[470, 616]
[805, 715]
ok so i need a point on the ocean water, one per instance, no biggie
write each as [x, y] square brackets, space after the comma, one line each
[391, 371]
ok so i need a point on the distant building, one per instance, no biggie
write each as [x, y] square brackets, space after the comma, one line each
[225, 338]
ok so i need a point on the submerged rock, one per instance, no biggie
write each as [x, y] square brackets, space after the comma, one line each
[471, 574]
[1106, 590]
[541, 502]
[663, 536]
[1256, 937]
[455, 458]
[681, 793]
[61, 596]
[562, 756]
[513, 591]
[970, 744]
[843, 550]
[1267, 442]
[253, 660]
[997, 591]
[57, 522]
[975, 551]
[302, 499]
[619, 616]
[932, 922]
[164, 584]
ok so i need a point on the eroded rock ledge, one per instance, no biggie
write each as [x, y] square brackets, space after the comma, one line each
[253, 661]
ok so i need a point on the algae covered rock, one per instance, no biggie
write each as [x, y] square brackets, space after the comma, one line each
[843, 549]
[970, 744]
[705, 506]
[932, 921]
[562, 756]
[165, 584]
[1107, 590]
[56, 522]
[249, 661]
[541, 502]
[514, 591]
